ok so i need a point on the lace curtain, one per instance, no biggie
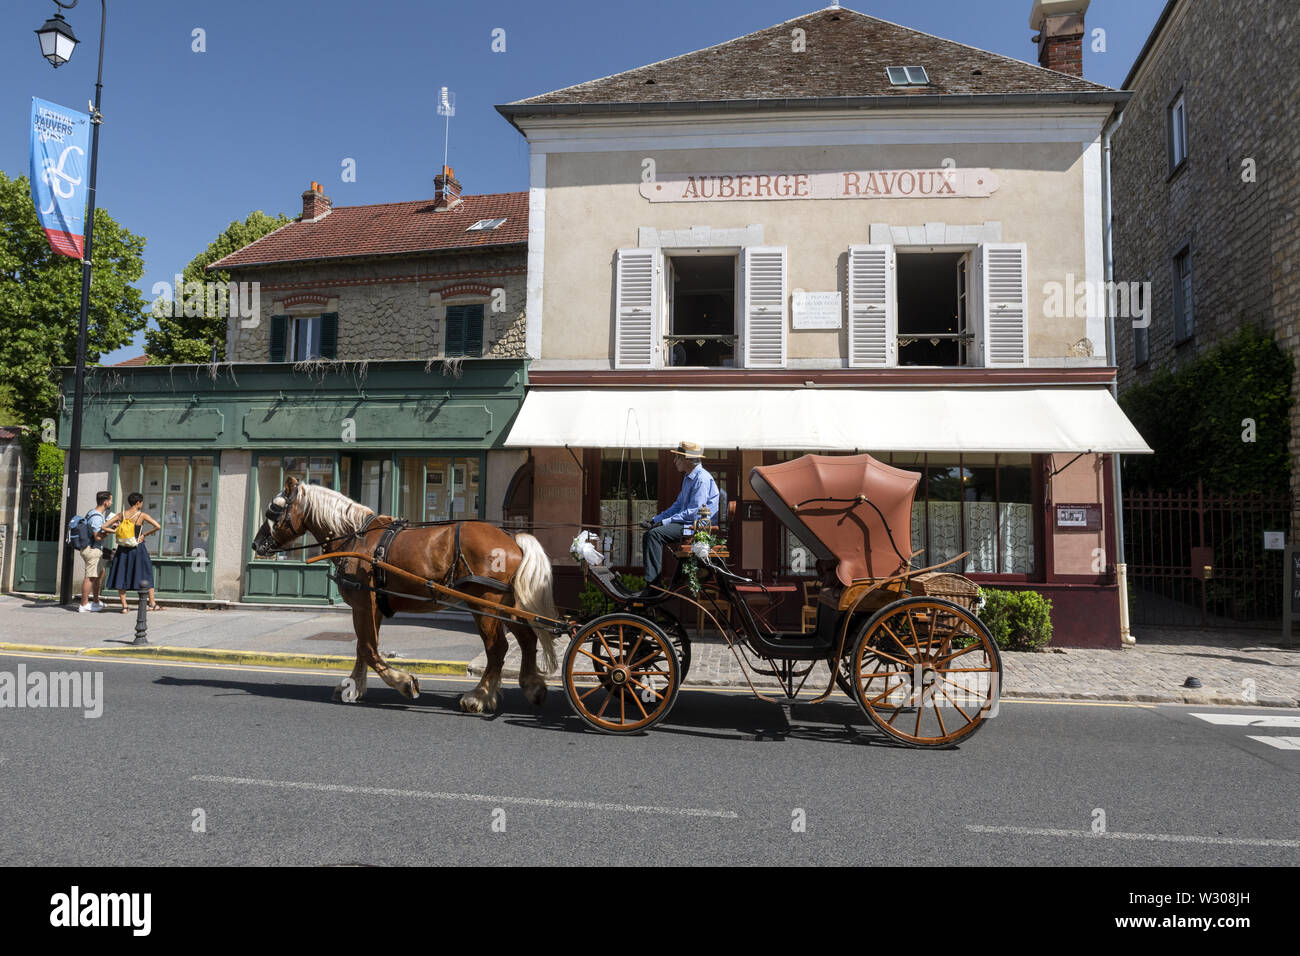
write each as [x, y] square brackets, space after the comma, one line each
[984, 521]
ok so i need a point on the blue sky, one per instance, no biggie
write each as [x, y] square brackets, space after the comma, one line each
[288, 89]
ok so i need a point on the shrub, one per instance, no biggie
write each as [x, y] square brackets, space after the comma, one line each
[1018, 620]
[592, 600]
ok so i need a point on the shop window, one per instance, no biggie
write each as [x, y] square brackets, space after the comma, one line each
[701, 311]
[179, 493]
[444, 488]
[273, 470]
[629, 494]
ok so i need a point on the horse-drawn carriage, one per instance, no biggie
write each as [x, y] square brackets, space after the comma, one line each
[904, 642]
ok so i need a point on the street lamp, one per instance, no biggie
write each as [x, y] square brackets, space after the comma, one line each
[57, 43]
[57, 40]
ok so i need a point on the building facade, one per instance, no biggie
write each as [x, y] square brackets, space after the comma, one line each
[384, 358]
[1206, 171]
[836, 235]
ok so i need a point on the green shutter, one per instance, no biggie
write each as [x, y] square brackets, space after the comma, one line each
[474, 330]
[464, 331]
[279, 336]
[329, 335]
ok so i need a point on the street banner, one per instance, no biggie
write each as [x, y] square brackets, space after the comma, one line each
[58, 173]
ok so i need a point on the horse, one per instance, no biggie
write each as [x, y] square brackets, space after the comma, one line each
[477, 558]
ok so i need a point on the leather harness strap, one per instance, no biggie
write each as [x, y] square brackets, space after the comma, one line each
[378, 575]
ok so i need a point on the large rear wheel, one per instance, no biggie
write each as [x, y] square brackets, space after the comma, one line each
[621, 674]
[926, 672]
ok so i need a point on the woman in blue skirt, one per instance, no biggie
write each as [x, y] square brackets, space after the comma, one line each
[131, 569]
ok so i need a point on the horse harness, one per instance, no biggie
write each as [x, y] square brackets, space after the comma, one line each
[379, 578]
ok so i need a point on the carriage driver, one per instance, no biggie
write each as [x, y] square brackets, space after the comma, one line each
[671, 526]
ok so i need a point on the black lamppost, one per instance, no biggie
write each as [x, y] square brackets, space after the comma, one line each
[57, 43]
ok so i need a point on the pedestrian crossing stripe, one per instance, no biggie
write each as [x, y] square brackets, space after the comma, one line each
[1281, 743]
[1251, 720]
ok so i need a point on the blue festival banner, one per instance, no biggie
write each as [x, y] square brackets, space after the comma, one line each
[58, 174]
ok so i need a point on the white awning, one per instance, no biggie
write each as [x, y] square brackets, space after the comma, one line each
[1036, 420]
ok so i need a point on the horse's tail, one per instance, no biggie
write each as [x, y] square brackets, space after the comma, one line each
[533, 591]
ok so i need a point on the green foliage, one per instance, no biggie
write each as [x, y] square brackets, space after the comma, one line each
[1192, 419]
[691, 564]
[1018, 620]
[189, 339]
[40, 300]
[47, 477]
[593, 602]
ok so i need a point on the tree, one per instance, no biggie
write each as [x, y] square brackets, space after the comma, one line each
[194, 338]
[40, 301]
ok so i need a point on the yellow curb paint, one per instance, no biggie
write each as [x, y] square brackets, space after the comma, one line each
[248, 658]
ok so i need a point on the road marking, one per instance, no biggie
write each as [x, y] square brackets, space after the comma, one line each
[1281, 743]
[1150, 837]
[1250, 720]
[472, 797]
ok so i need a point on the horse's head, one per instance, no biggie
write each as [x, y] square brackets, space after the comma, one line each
[283, 521]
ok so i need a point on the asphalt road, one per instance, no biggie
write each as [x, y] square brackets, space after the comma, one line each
[283, 775]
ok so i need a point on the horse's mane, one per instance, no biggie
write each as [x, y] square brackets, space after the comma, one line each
[333, 512]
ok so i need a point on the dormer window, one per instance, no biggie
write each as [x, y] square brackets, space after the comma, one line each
[907, 76]
[483, 225]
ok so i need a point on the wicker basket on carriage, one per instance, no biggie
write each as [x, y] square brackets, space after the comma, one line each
[951, 587]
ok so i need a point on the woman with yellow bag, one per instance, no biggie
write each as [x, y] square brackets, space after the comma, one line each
[131, 569]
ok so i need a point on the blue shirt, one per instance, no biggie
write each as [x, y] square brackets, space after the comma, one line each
[698, 488]
[96, 521]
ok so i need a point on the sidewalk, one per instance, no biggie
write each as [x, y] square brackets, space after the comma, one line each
[1224, 661]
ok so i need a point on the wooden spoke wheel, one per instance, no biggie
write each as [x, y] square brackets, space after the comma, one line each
[926, 671]
[621, 674]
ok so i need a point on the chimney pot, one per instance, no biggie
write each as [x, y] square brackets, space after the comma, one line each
[1060, 34]
[446, 189]
[315, 204]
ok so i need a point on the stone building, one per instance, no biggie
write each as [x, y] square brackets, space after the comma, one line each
[382, 355]
[1205, 162]
[835, 234]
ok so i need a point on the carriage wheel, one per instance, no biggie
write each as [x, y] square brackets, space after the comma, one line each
[621, 674]
[926, 671]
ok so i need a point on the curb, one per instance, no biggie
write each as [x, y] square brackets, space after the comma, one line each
[204, 655]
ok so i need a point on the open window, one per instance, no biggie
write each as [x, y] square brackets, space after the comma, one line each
[701, 310]
[933, 314]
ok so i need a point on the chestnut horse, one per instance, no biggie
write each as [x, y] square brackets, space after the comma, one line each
[443, 553]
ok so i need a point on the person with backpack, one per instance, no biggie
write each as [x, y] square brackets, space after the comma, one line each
[132, 569]
[84, 534]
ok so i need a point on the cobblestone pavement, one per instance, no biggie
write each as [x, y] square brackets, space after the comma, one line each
[1234, 667]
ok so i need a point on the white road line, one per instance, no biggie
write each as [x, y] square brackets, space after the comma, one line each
[1251, 720]
[1150, 837]
[472, 797]
[1281, 743]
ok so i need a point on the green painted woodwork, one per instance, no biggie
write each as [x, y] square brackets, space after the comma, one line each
[392, 405]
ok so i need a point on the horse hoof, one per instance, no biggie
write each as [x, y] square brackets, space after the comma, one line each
[415, 688]
[535, 693]
[471, 704]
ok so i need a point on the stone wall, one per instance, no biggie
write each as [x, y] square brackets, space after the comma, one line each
[391, 308]
[1235, 63]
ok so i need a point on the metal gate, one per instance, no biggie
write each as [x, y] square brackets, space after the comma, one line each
[1199, 560]
[36, 563]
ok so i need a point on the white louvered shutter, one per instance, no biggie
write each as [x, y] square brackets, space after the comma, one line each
[636, 297]
[873, 312]
[1003, 301]
[763, 269]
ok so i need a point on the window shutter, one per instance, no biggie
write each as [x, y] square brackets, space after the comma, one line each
[474, 331]
[453, 342]
[329, 335]
[1003, 300]
[279, 337]
[873, 310]
[763, 268]
[636, 303]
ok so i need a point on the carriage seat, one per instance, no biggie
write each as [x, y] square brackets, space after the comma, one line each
[726, 515]
[615, 590]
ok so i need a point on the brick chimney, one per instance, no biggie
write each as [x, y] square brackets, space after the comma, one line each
[315, 204]
[1060, 34]
[446, 189]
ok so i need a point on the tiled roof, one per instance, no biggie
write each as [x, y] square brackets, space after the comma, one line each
[398, 228]
[137, 360]
[846, 55]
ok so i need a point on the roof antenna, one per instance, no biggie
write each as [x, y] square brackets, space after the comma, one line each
[447, 108]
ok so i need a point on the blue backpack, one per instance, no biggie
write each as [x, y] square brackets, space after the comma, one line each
[80, 534]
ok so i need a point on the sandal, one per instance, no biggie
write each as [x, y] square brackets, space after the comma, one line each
[156, 607]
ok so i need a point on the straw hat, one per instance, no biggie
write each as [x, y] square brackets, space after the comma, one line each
[688, 449]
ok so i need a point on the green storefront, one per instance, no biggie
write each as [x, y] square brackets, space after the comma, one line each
[209, 446]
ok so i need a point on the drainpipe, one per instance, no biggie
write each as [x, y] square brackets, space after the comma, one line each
[1112, 357]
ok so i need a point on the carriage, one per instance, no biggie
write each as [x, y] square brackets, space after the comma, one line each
[905, 643]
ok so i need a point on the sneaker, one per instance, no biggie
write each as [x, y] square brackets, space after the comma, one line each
[84, 608]
[96, 606]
